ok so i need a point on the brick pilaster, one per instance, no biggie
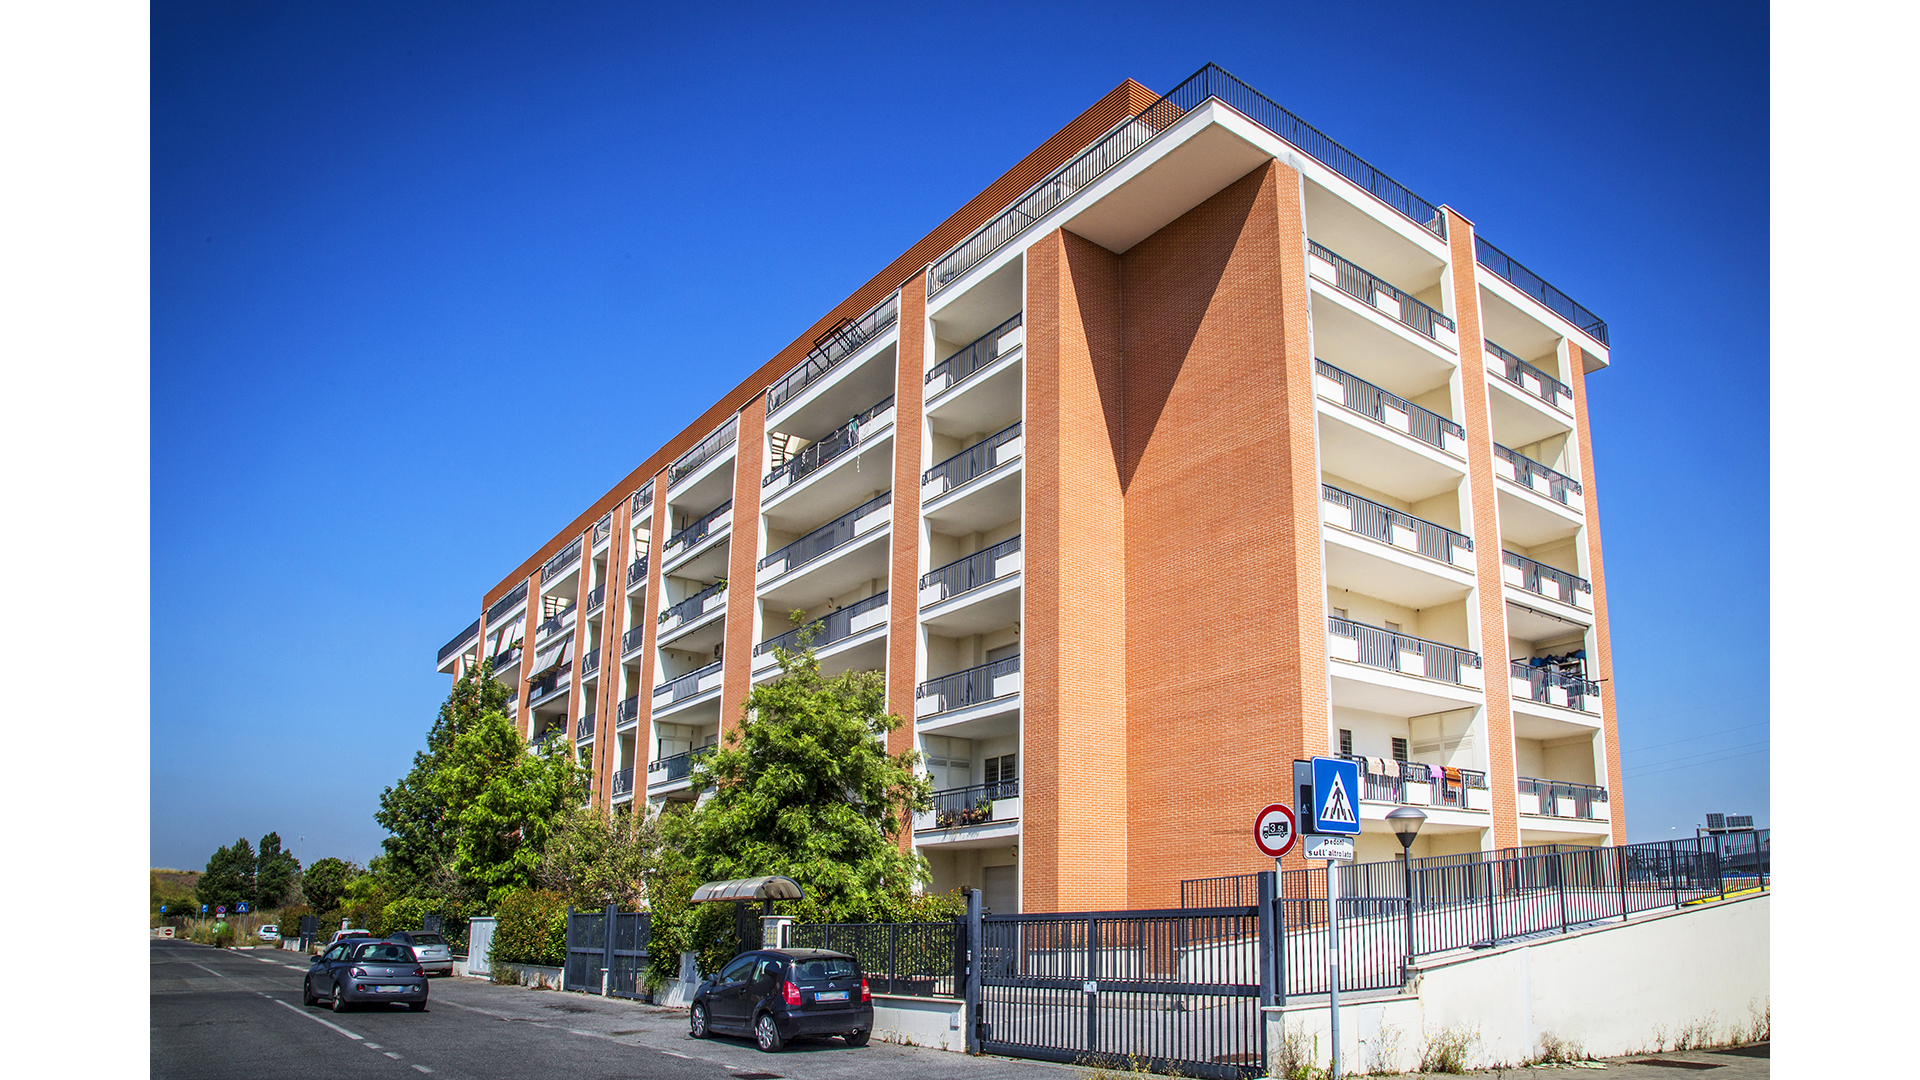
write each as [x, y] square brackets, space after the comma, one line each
[1597, 574]
[743, 558]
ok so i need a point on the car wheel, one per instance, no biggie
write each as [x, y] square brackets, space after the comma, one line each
[697, 1025]
[767, 1032]
[859, 1038]
[339, 1003]
[416, 1006]
[306, 993]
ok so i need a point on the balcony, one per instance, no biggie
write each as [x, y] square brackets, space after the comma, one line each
[965, 813]
[583, 728]
[707, 450]
[512, 706]
[1530, 474]
[1414, 783]
[504, 660]
[553, 624]
[1535, 287]
[976, 489]
[687, 687]
[453, 648]
[823, 634]
[590, 664]
[1396, 528]
[1538, 505]
[1547, 581]
[1531, 379]
[1381, 295]
[559, 563]
[1390, 650]
[832, 349]
[596, 599]
[711, 524]
[636, 573]
[1563, 799]
[623, 784]
[975, 594]
[997, 680]
[641, 502]
[862, 520]
[870, 431]
[668, 773]
[693, 609]
[603, 529]
[1000, 341]
[1546, 685]
[550, 686]
[1362, 397]
[631, 641]
[627, 713]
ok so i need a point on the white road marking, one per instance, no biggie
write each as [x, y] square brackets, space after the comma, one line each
[210, 971]
[689, 1057]
[396, 1057]
[297, 1011]
[374, 1046]
[423, 1068]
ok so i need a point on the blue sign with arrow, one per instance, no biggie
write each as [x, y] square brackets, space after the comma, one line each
[1336, 796]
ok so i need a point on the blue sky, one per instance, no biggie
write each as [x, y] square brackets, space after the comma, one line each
[427, 281]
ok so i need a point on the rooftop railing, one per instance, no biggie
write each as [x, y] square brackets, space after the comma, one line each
[632, 640]
[1374, 403]
[623, 782]
[693, 606]
[1367, 286]
[1559, 485]
[957, 808]
[596, 599]
[1130, 135]
[1529, 378]
[642, 499]
[827, 629]
[697, 531]
[987, 682]
[1550, 686]
[567, 557]
[603, 529]
[460, 640]
[1548, 581]
[978, 569]
[505, 604]
[677, 766]
[979, 458]
[829, 537]
[832, 347]
[1550, 792]
[973, 357]
[722, 437]
[1399, 528]
[687, 685]
[1503, 267]
[829, 446]
[1391, 650]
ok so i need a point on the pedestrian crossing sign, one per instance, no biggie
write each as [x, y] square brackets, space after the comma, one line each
[1336, 796]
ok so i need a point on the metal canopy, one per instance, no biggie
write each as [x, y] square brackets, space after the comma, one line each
[758, 888]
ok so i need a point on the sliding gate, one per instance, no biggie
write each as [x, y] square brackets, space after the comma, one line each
[1176, 988]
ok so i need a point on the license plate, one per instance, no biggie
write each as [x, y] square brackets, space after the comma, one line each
[831, 995]
[389, 989]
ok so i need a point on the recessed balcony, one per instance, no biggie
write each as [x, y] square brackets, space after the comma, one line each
[859, 628]
[1381, 295]
[504, 662]
[1386, 671]
[1538, 505]
[1415, 783]
[1527, 403]
[698, 610]
[996, 345]
[583, 729]
[985, 690]
[703, 534]
[554, 624]
[1546, 582]
[832, 559]
[980, 815]
[839, 467]
[846, 362]
[1543, 684]
[623, 785]
[462, 643]
[626, 715]
[695, 687]
[636, 574]
[1384, 441]
[672, 776]
[975, 594]
[1379, 551]
[978, 488]
[590, 665]
[561, 562]
[632, 641]
[700, 466]
[1563, 799]
[596, 599]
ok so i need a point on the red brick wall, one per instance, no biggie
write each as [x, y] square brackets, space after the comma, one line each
[903, 584]
[743, 558]
[650, 626]
[1596, 569]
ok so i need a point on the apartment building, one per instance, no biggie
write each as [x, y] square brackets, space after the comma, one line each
[1193, 446]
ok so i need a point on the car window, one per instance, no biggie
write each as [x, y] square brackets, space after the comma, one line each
[737, 970]
[335, 953]
[768, 970]
[385, 950]
[426, 939]
[818, 970]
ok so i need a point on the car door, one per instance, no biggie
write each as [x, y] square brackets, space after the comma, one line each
[726, 1006]
[768, 973]
[323, 972]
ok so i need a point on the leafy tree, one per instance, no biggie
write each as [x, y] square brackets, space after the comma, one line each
[229, 877]
[275, 873]
[422, 838]
[504, 801]
[595, 860]
[325, 883]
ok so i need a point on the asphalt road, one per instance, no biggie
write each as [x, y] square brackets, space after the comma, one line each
[236, 1013]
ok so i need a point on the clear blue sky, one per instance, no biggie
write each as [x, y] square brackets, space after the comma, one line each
[427, 281]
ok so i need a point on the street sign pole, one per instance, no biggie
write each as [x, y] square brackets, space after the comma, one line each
[1333, 962]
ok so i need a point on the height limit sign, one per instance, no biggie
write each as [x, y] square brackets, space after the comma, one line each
[1275, 830]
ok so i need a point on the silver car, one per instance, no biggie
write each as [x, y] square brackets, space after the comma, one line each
[359, 971]
[429, 948]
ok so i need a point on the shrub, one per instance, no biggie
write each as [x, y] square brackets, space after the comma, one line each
[532, 929]
[1448, 1050]
[218, 934]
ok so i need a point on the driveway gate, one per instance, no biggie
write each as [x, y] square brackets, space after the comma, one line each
[612, 943]
[1179, 988]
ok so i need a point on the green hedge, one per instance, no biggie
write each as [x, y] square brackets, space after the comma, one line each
[532, 929]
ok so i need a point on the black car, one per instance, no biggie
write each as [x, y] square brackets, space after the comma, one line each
[777, 994]
[362, 971]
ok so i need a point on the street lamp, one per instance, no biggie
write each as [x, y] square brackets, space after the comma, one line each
[1406, 822]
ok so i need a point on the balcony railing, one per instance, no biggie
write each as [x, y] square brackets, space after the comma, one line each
[1550, 686]
[583, 728]
[1396, 412]
[721, 438]
[978, 569]
[1391, 650]
[1529, 378]
[1550, 792]
[955, 369]
[979, 458]
[603, 529]
[590, 663]
[1132, 134]
[1368, 287]
[505, 604]
[551, 625]
[1533, 285]
[687, 685]
[830, 628]
[987, 682]
[827, 448]
[459, 641]
[596, 599]
[567, 557]
[1414, 783]
[1560, 487]
[512, 706]
[642, 499]
[1550, 582]
[832, 347]
[632, 640]
[693, 606]
[623, 782]
[697, 531]
[626, 712]
[677, 766]
[550, 685]
[505, 660]
[828, 537]
[956, 808]
[637, 572]
[1396, 527]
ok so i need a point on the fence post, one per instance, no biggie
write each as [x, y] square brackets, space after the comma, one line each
[606, 951]
[1673, 874]
[1093, 988]
[976, 953]
[1493, 926]
[1720, 865]
[1560, 880]
[1272, 990]
[893, 956]
[1622, 870]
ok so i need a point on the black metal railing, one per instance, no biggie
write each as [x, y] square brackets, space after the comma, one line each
[832, 347]
[965, 575]
[642, 499]
[623, 782]
[549, 685]
[1559, 485]
[698, 531]
[460, 640]
[603, 529]
[687, 685]
[583, 728]
[505, 604]
[597, 598]
[632, 640]
[1445, 787]
[1543, 681]
[925, 959]
[1550, 792]
[693, 606]
[825, 630]
[1365, 285]
[1548, 581]
[637, 572]
[590, 663]
[676, 766]
[567, 557]
[1378, 522]
[1123, 139]
[826, 538]
[958, 807]
[506, 658]
[1370, 401]
[828, 447]
[1535, 286]
[971, 462]
[1383, 648]
[552, 624]
[969, 687]
[722, 437]
[626, 711]
[975, 356]
[1518, 371]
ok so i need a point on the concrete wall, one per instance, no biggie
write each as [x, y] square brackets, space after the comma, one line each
[936, 1022]
[1620, 989]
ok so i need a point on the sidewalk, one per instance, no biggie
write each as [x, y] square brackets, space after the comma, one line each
[1741, 1063]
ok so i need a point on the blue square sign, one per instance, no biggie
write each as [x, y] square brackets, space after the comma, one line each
[1336, 796]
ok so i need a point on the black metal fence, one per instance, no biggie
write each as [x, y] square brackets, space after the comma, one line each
[607, 948]
[1365, 285]
[1387, 649]
[979, 458]
[921, 959]
[722, 437]
[969, 687]
[1535, 286]
[973, 357]
[832, 347]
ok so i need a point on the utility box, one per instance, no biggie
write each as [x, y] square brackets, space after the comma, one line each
[775, 931]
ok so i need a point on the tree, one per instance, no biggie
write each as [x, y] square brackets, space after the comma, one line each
[503, 801]
[422, 835]
[275, 873]
[595, 860]
[229, 877]
[326, 881]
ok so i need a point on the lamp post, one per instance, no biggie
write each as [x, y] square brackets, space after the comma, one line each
[1406, 822]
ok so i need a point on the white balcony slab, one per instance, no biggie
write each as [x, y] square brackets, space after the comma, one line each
[1362, 686]
[1372, 453]
[700, 708]
[1387, 571]
[1359, 338]
[976, 611]
[1518, 417]
[835, 573]
[1532, 617]
[983, 397]
[982, 503]
[860, 470]
[1539, 720]
[989, 834]
[982, 720]
[863, 650]
[675, 557]
[852, 385]
[1530, 518]
[673, 628]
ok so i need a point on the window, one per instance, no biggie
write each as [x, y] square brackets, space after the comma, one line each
[737, 971]
[1346, 743]
[769, 970]
[1399, 749]
[1393, 626]
[1339, 613]
[1000, 770]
